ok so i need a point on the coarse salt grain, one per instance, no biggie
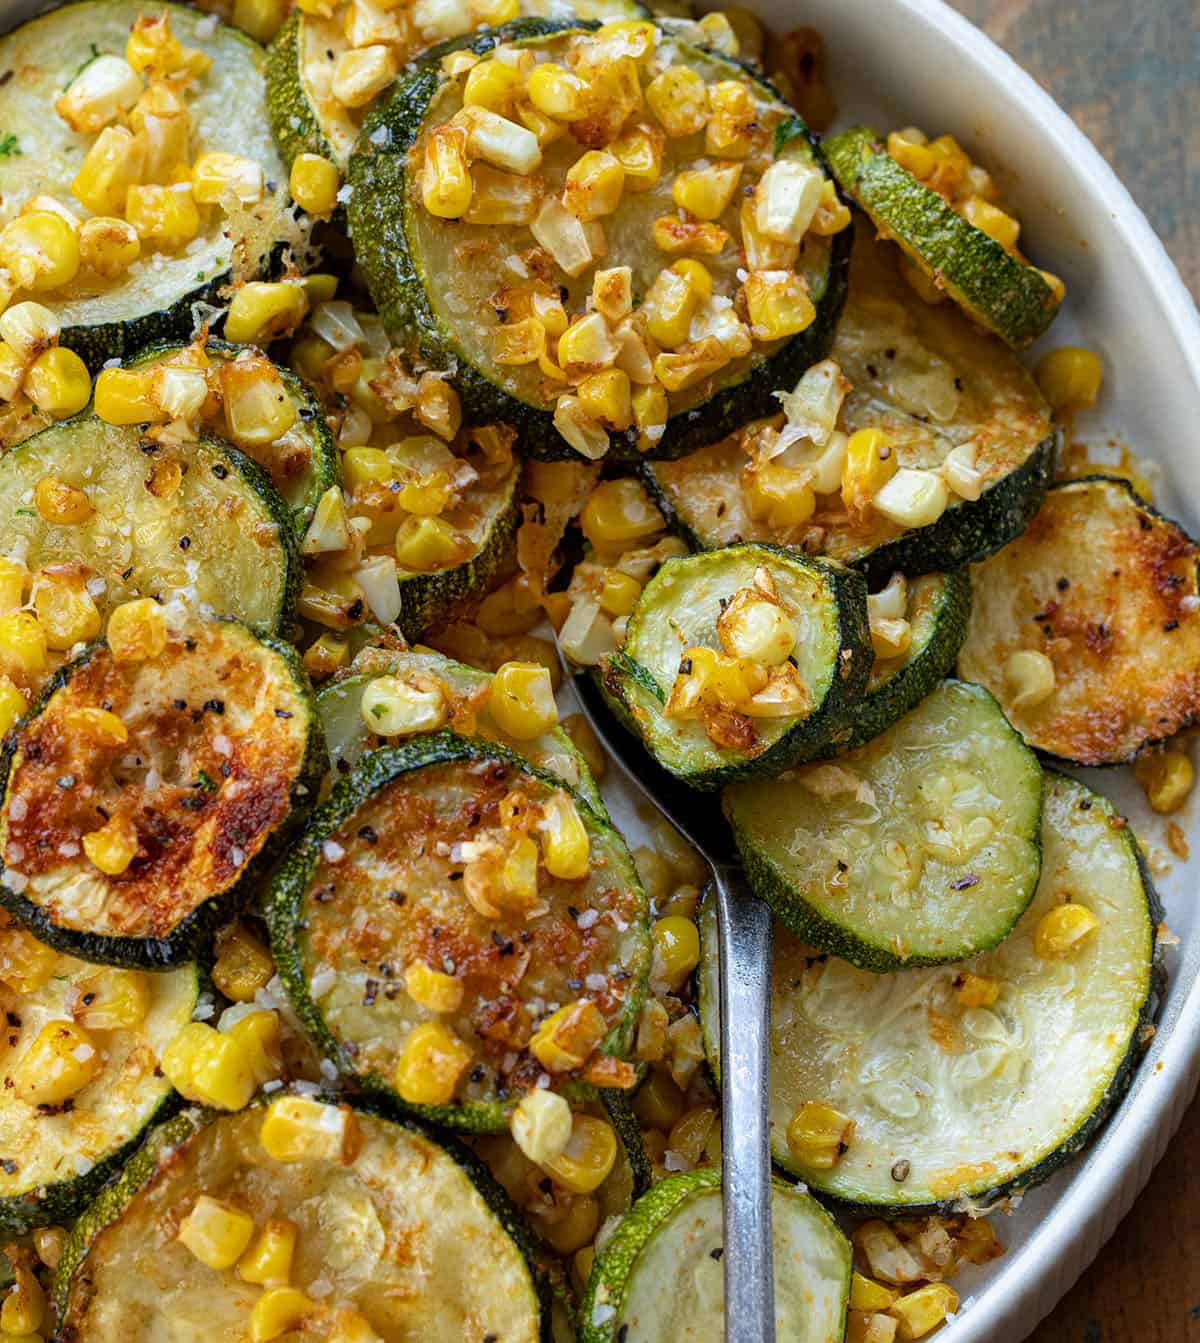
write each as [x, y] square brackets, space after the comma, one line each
[332, 851]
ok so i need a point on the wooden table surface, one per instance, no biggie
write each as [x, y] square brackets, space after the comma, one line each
[1128, 71]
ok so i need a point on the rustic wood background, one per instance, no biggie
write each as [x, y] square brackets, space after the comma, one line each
[1128, 71]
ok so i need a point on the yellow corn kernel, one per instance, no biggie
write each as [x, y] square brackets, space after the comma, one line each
[61, 504]
[588, 1158]
[1070, 378]
[243, 964]
[619, 513]
[112, 1000]
[575, 1228]
[13, 704]
[123, 396]
[1167, 779]
[258, 1035]
[557, 92]
[1063, 930]
[366, 466]
[689, 364]
[319, 287]
[431, 989]
[438, 406]
[14, 578]
[258, 406]
[612, 293]
[922, 1311]
[113, 847]
[40, 251]
[268, 1260]
[870, 464]
[818, 1135]
[541, 1125]
[165, 216]
[209, 1067]
[670, 304]
[262, 19]
[688, 237]
[594, 185]
[60, 1062]
[910, 149]
[12, 372]
[977, 990]
[587, 436]
[217, 1233]
[99, 93]
[24, 1308]
[870, 1327]
[217, 175]
[619, 593]
[137, 630]
[513, 608]
[58, 383]
[867, 1294]
[706, 193]
[566, 848]
[64, 609]
[676, 952]
[314, 184]
[111, 166]
[1029, 676]
[566, 1039]
[325, 655]
[446, 187]
[162, 124]
[607, 397]
[494, 85]
[731, 127]
[279, 1311]
[26, 964]
[22, 646]
[993, 221]
[262, 311]
[28, 328]
[522, 701]
[651, 410]
[358, 75]
[659, 1102]
[428, 544]
[756, 627]
[516, 886]
[778, 304]
[297, 1128]
[152, 46]
[108, 246]
[639, 151]
[678, 97]
[431, 1065]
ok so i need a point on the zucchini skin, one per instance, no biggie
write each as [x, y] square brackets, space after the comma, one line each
[192, 934]
[293, 123]
[394, 276]
[284, 913]
[1006, 295]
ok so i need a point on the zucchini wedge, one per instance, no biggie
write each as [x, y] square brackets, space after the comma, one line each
[1100, 591]
[969, 1083]
[451, 295]
[932, 383]
[303, 463]
[356, 1183]
[918, 848]
[106, 318]
[664, 685]
[185, 800]
[465, 690]
[60, 1148]
[198, 522]
[1001, 291]
[407, 873]
[659, 1276]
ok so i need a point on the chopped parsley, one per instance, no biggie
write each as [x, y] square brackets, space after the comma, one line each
[9, 146]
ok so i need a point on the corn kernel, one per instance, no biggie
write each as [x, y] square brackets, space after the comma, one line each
[678, 97]
[366, 466]
[619, 593]
[588, 1158]
[97, 726]
[870, 464]
[137, 630]
[60, 1062]
[123, 396]
[12, 372]
[566, 848]
[325, 655]
[497, 140]
[113, 847]
[691, 363]
[65, 609]
[993, 221]
[651, 410]
[438, 406]
[258, 406]
[922, 1311]
[541, 1125]
[153, 46]
[22, 646]
[575, 1228]
[216, 1233]
[977, 990]
[243, 964]
[99, 93]
[866, 1294]
[688, 237]
[259, 1037]
[511, 609]
[279, 1310]
[58, 383]
[297, 1128]
[111, 166]
[446, 187]
[1063, 930]
[494, 85]
[217, 175]
[427, 544]
[40, 251]
[594, 185]
[522, 700]
[778, 304]
[754, 626]
[669, 306]
[431, 989]
[558, 93]
[1070, 378]
[676, 952]
[161, 124]
[28, 328]
[262, 19]
[818, 1135]
[26, 964]
[565, 1040]
[24, 1309]
[358, 75]
[620, 513]
[1029, 676]
[1167, 779]
[61, 504]
[731, 127]
[639, 151]
[268, 1260]
[431, 1065]
[706, 193]
[112, 1000]
[209, 1067]
[607, 397]
[165, 216]
[108, 246]
[13, 704]
[14, 578]
[261, 312]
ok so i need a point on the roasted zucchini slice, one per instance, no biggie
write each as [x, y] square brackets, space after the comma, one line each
[464, 693]
[197, 521]
[993, 284]
[66, 1131]
[674, 1236]
[933, 384]
[395, 1231]
[420, 883]
[104, 318]
[144, 793]
[1087, 627]
[971, 1082]
[303, 463]
[739, 662]
[919, 847]
[452, 296]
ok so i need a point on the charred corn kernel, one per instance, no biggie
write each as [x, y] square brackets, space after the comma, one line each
[978, 990]
[26, 964]
[778, 304]
[557, 92]
[314, 186]
[522, 701]
[24, 1308]
[586, 345]
[123, 396]
[49, 1242]
[961, 473]
[268, 1259]
[639, 151]
[64, 609]
[108, 246]
[993, 221]
[565, 845]
[60, 1062]
[243, 965]
[358, 75]
[58, 383]
[438, 406]
[678, 97]
[446, 188]
[607, 396]
[651, 410]
[431, 1065]
[920, 1312]
[297, 1128]
[566, 1039]
[612, 293]
[279, 1311]
[620, 512]
[262, 311]
[541, 1125]
[426, 544]
[40, 251]
[670, 304]
[676, 952]
[575, 1228]
[111, 166]
[99, 727]
[517, 884]
[432, 989]
[60, 503]
[112, 1000]
[586, 435]
[153, 46]
[588, 1158]
[757, 627]
[14, 578]
[325, 655]
[493, 84]
[258, 1035]
[688, 237]
[867, 1294]
[13, 704]
[258, 406]
[499, 141]
[1070, 378]
[208, 1067]
[366, 466]
[165, 216]
[12, 372]
[818, 1135]
[217, 1233]
[392, 706]
[706, 192]
[619, 593]
[594, 185]
[113, 847]
[102, 90]
[22, 645]
[28, 328]
[659, 1103]
[691, 363]
[262, 19]
[217, 175]
[1061, 932]
[913, 498]
[1167, 779]
[137, 630]
[890, 637]
[1029, 676]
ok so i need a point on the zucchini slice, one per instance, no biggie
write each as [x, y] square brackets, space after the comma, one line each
[446, 287]
[222, 749]
[303, 463]
[466, 691]
[58, 1152]
[684, 607]
[396, 1232]
[153, 300]
[919, 847]
[1104, 587]
[931, 382]
[198, 521]
[399, 873]
[999, 290]
[673, 1238]
[958, 1105]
